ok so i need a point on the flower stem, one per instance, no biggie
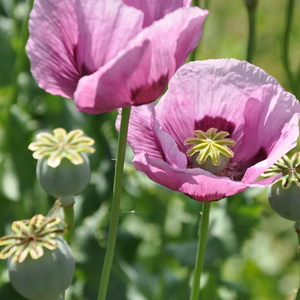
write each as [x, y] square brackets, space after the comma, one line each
[196, 3]
[204, 5]
[115, 206]
[203, 232]
[298, 235]
[286, 45]
[251, 9]
[69, 219]
[11, 95]
[297, 229]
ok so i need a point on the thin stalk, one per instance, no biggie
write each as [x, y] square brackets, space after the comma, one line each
[18, 66]
[69, 219]
[286, 45]
[251, 10]
[13, 90]
[206, 4]
[115, 206]
[196, 3]
[203, 232]
[298, 235]
[194, 53]
[160, 259]
[297, 229]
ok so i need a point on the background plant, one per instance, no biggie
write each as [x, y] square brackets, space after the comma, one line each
[251, 253]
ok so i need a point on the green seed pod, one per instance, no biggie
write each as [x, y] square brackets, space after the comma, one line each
[66, 180]
[284, 194]
[286, 202]
[45, 278]
[209, 166]
[63, 167]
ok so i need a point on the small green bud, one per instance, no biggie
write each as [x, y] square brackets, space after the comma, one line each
[285, 202]
[66, 180]
[45, 278]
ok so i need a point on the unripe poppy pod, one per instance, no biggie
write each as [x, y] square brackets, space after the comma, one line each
[63, 168]
[45, 278]
[284, 194]
[286, 202]
[40, 262]
[66, 180]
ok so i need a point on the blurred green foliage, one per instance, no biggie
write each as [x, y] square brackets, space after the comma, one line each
[251, 252]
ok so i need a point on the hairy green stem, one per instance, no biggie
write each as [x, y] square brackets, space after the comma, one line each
[286, 46]
[251, 10]
[206, 4]
[198, 3]
[13, 90]
[194, 53]
[298, 235]
[115, 205]
[297, 229]
[69, 219]
[203, 232]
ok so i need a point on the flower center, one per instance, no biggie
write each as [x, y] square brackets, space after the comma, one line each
[289, 168]
[209, 150]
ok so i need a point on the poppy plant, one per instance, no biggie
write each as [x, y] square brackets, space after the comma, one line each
[219, 126]
[108, 54]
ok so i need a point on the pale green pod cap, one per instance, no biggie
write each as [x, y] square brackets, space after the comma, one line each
[63, 167]
[289, 168]
[62, 145]
[210, 150]
[283, 195]
[40, 262]
[31, 238]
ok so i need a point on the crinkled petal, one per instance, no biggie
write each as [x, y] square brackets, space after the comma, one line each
[145, 134]
[105, 28]
[211, 93]
[271, 129]
[156, 9]
[53, 38]
[73, 38]
[172, 39]
[172, 155]
[113, 85]
[140, 73]
[141, 136]
[196, 183]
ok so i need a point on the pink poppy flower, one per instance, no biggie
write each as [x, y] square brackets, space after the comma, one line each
[106, 54]
[219, 126]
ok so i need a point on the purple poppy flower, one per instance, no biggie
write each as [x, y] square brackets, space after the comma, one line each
[106, 54]
[219, 126]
